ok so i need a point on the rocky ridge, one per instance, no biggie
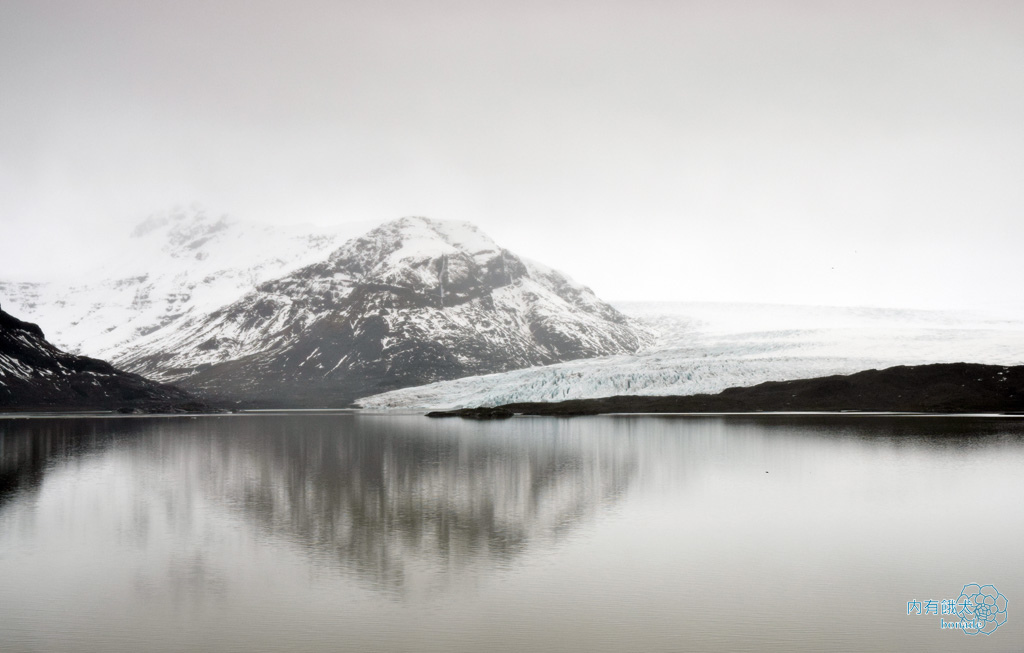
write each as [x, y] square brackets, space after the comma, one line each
[35, 375]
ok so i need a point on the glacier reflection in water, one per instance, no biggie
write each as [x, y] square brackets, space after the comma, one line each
[364, 532]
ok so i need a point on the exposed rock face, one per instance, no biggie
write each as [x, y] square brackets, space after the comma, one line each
[35, 375]
[410, 302]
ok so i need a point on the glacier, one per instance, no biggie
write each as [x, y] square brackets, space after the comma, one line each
[704, 347]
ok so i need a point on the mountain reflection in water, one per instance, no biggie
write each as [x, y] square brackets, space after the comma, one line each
[313, 532]
[378, 500]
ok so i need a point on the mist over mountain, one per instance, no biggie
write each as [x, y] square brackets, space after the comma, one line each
[171, 266]
[306, 317]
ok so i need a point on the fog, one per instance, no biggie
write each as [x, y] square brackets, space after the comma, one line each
[847, 153]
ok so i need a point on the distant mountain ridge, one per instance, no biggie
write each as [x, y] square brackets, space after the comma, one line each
[35, 375]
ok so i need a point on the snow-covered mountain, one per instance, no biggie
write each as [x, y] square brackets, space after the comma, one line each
[410, 302]
[174, 265]
[706, 348]
[36, 375]
[321, 317]
[327, 315]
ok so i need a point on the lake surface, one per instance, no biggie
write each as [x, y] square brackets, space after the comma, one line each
[343, 532]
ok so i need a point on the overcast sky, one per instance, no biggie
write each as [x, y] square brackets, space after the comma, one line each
[852, 153]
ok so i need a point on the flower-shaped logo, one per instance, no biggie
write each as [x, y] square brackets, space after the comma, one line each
[981, 608]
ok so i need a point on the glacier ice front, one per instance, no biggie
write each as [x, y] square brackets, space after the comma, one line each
[708, 347]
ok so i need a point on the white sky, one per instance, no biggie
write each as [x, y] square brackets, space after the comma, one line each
[859, 152]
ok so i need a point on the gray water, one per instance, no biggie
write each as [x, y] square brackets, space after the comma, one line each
[341, 532]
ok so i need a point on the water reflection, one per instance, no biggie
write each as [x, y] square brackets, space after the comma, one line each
[362, 533]
[395, 493]
[29, 446]
[391, 498]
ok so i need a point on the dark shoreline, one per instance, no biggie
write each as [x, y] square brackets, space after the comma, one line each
[938, 389]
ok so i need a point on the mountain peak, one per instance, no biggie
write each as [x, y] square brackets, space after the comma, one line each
[428, 257]
[181, 223]
[180, 232]
[410, 301]
[419, 238]
[8, 321]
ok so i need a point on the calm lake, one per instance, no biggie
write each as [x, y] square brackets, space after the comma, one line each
[345, 532]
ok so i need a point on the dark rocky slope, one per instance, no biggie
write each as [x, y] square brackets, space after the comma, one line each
[939, 388]
[35, 375]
